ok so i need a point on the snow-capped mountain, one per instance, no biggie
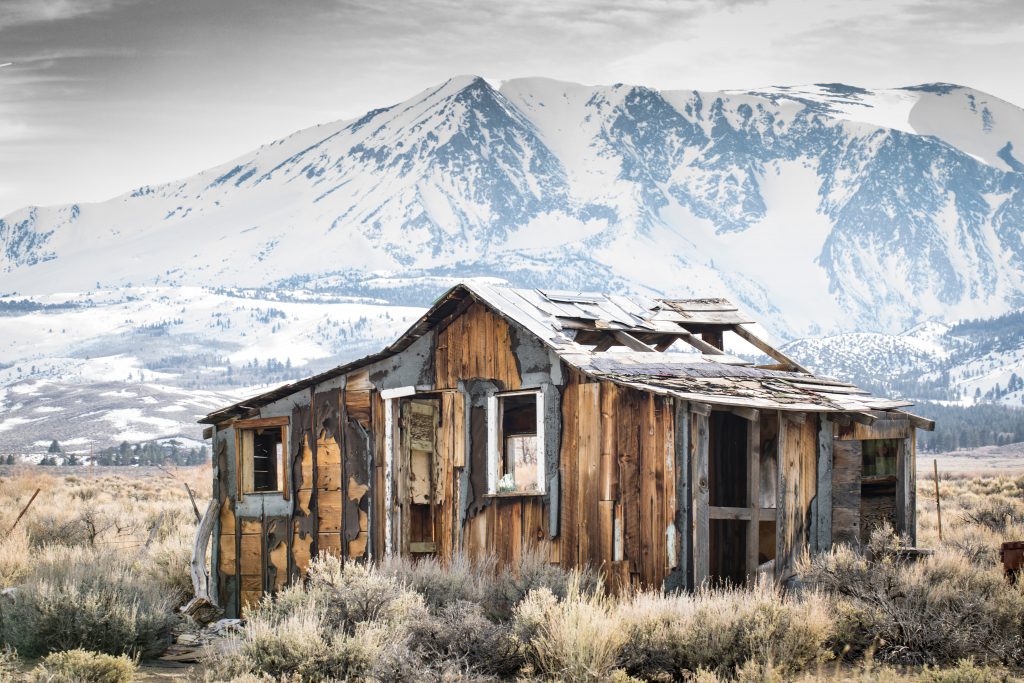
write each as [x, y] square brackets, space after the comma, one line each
[822, 209]
[832, 213]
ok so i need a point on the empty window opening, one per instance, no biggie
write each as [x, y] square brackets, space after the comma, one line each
[262, 456]
[878, 485]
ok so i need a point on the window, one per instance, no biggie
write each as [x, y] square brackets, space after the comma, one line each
[880, 457]
[262, 454]
[515, 434]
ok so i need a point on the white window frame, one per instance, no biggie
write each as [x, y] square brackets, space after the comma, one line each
[494, 441]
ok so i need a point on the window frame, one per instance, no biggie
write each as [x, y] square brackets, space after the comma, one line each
[496, 441]
[251, 425]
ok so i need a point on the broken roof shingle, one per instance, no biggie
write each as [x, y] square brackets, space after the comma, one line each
[556, 317]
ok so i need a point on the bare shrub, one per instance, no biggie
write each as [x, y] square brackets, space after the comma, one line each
[575, 639]
[77, 598]
[166, 563]
[936, 610]
[83, 666]
[297, 645]
[460, 632]
[995, 512]
[503, 590]
[440, 585]
[15, 558]
[966, 671]
[670, 636]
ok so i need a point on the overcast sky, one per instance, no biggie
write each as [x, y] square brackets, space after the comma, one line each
[107, 95]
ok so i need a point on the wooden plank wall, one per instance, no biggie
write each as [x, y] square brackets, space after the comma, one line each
[326, 500]
[846, 475]
[475, 345]
[798, 474]
[632, 492]
[358, 440]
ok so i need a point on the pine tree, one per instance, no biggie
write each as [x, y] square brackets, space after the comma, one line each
[54, 447]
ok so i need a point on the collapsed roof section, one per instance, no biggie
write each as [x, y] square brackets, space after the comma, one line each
[626, 340]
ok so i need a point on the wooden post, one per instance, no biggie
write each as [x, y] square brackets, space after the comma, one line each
[753, 497]
[938, 502]
[702, 524]
[609, 473]
[23, 511]
[195, 508]
[823, 497]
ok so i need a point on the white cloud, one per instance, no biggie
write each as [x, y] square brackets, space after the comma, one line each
[22, 12]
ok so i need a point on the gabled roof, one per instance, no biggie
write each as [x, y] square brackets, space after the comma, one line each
[584, 328]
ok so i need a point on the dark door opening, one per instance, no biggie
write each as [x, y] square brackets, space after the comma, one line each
[728, 492]
[420, 423]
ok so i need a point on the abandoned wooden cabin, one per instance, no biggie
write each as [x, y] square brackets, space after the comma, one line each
[510, 417]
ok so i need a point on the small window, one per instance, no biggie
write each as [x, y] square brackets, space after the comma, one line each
[262, 454]
[516, 443]
[880, 457]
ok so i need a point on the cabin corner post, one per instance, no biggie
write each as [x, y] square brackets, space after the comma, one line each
[907, 486]
[699, 440]
[389, 459]
[823, 498]
[753, 496]
[681, 576]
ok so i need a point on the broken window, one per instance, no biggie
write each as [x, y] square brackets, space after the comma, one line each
[516, 443]
[261, 454]
[880, 457]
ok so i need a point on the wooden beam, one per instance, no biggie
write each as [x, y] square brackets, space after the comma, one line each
[740, 514]
[920, 422]
[795, 417]
[767, 348]
[746, 413]
[262, 422]
[863, 418]
[699, 344]
[714, 337]
[207, 433]
[629, 341]
[701, 409]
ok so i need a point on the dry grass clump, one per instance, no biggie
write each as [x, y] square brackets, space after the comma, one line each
[82, 666]
[940, 609]
[99, 561]
[671, 636]
[76, 598]
[576, 638]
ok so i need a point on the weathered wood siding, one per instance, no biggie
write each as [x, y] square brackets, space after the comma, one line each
[798, 476]
[475, 345]
[618, 465]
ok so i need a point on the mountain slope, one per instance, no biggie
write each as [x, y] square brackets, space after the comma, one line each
[798, 202]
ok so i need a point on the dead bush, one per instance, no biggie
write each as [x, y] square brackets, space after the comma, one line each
[439, 585]
[460, 632]
[78, 598]
[83, 666]
[573, 639]
[966, 671]
[672, 636]
[15, 558]
[937, 610]
[995, 512]
[503, 590]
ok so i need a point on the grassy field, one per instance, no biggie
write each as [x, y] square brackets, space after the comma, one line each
[99, 564]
